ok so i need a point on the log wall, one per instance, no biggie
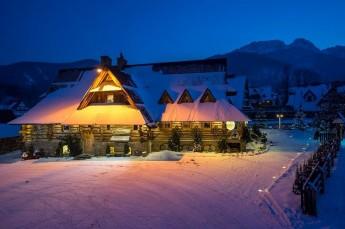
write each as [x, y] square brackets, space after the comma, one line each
[47, 137]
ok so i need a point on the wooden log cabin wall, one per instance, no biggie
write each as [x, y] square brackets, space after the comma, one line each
[96, 138]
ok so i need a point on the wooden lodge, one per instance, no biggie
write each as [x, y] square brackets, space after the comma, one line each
[137, 105]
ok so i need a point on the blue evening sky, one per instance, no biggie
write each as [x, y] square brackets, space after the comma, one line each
[153, 30]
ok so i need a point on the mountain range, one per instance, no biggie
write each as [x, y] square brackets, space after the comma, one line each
[278, 64]
[26, 81]
[271, 62]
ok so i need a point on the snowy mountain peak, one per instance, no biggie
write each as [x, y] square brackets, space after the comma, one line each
[263, 47]
[304, 44]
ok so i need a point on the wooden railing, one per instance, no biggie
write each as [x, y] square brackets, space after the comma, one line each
[311, 175]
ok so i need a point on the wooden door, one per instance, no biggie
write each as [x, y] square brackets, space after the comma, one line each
[88, 142]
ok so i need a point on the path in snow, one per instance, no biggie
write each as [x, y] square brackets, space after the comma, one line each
[199, 191]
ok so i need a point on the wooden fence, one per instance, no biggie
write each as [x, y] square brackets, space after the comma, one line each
[311, 176]
[326, 136]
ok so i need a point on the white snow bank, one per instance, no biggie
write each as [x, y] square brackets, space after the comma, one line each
[164, 155]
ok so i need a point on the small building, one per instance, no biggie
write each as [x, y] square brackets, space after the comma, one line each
[238, 95]
[262, 97]
[307, 98]
[332, 102]
[138, 105]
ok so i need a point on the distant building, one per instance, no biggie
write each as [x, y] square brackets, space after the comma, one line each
[138, 105]
[11, 108]
[238, 93]
[306, 98]
[262, 97]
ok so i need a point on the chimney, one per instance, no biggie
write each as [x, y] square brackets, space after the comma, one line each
[121, 61]
[105, 61]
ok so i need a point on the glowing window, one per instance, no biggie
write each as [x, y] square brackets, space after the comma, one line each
[65, 150]
[110, 98]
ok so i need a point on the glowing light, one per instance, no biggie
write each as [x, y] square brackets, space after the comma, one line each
[284, 167]
[99, 70]
[274, 177]
[260, 190]
[65, 150]
[230, 125]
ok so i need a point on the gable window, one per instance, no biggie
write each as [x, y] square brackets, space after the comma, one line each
[309, 96]
[110, 98]
[165, 98]
[185, 97]
[207, 97]
[107, 89]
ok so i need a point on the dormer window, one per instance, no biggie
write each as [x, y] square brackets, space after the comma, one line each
[165, 98]
[309, 96]
[185, 97]
[207, 97]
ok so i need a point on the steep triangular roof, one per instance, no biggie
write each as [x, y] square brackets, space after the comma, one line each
[207, 96]
[103, 76]
[69, 105]
[165, 98]
[185, 97]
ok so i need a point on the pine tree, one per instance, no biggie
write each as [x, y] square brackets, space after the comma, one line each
[174, 140]
[197, 140]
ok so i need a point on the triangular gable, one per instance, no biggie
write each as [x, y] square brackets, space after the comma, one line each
[307, 95]
[207, 97]
[185, 97]
[165, 98]
[102, 77]
[132, 97]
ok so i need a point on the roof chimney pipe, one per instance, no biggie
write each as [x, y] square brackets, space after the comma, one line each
[121, 61]
[105, 61]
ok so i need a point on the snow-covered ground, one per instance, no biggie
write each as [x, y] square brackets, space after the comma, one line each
[201, 190]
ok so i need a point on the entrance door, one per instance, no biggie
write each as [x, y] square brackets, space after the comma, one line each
[88, 141]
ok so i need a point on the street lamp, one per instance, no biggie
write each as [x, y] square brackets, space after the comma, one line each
[279, 116]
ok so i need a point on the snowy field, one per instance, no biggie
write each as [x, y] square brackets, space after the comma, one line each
[204, 190]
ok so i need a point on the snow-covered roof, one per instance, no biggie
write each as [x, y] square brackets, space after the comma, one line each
[237, 84]
[265, 92]
[297, 97]
[57, 106]
[341, 89]
[151, 85]
[221, 110]
[145, 87]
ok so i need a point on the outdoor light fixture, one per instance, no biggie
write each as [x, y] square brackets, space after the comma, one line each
[279, 116]
[230, 125]
[99, 70]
